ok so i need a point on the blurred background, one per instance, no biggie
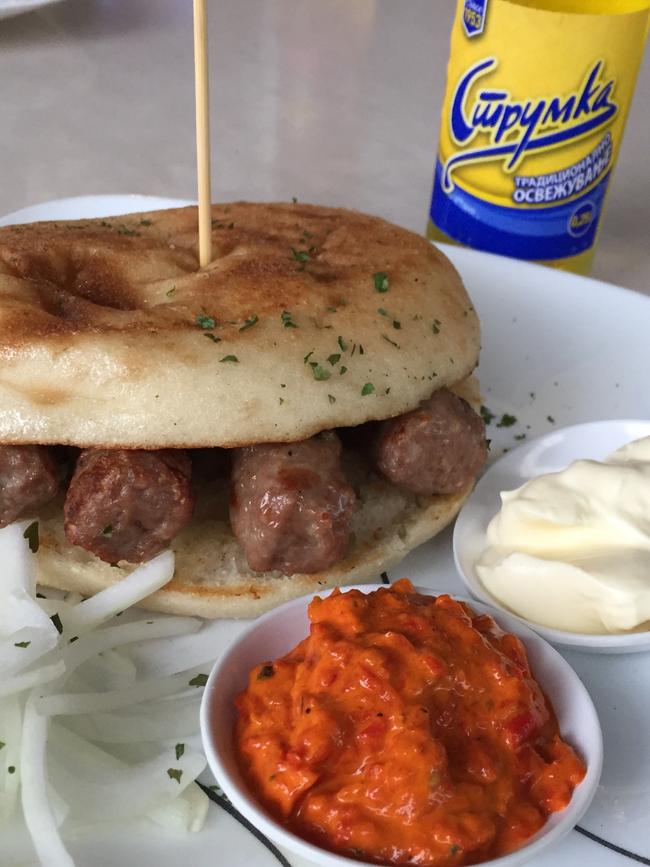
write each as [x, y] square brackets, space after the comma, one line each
[331, 101]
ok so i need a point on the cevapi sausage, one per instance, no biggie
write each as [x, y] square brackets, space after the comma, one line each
[438, 448]
[28, 480]
[290, 505]
[128, 504]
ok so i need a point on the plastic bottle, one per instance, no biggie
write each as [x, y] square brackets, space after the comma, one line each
[536, 101]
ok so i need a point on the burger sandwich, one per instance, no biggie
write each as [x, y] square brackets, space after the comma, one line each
[297, 415]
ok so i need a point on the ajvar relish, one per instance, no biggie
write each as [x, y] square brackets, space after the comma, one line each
[405, 729]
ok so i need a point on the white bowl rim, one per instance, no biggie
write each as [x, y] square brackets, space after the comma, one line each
[586, 641]
[255, 813]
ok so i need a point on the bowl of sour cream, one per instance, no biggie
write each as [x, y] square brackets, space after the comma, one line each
[557, 532]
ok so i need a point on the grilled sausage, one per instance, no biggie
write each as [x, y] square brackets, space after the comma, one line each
[290, 505]
[128, 504]
[438, 448]
[28, 480]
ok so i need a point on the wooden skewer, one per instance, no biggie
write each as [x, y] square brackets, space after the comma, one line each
[202, 131]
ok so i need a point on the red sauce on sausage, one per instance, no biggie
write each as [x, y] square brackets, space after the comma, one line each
[405, 729]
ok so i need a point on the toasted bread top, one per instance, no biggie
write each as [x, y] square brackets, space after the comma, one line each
[307, 318]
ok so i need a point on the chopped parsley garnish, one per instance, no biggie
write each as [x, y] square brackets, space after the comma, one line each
[287, 321]
[381, 281]
[383, 312]
[308, 356]
[205, 322]
[550, 419]
[22, 643]
[487, 415]
[436, 326]
[343, 369]
[180, 749]
[300, 256]
[31, 534]
[248, 323]
[199, 680]
[175, 774]
[454, 849]
[319, 372]
[11, 769]
[170, 292]
[507, 420]
[73, 639]
[392, 342]
[108, 530]
[367, 389]
[334, 358]
[331, 398]
[342, 344]
[265, 672]
[56, 620]
[229, 358]
[212, 337]
[2, 744]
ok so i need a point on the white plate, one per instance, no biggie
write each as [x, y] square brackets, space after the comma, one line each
[582, 348]
[547, 454]
[9, 8]
[279, 631]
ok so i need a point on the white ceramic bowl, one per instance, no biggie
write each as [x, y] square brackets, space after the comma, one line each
[277, 632]
[546, 454]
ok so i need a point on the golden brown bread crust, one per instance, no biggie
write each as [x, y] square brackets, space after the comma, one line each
[110, 336]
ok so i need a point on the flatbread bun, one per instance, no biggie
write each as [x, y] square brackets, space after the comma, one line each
[308, 318]
[212, 578]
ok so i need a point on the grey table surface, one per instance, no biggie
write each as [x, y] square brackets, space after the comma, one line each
[332, 101]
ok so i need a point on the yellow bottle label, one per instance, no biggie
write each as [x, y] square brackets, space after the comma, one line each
[536, 101]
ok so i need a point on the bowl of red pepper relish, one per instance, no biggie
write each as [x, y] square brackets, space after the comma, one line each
[406, 728]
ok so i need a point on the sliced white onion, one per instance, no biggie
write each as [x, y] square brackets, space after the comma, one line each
[60, 808]
[101, 702]
[187, 812]
[37, 809]
[11, 723]
[110, 668]
[126, 685]
[111, 637]
[24, 648]
[142, 582]
[21, 617]
[156, 658]
[157, 721]
[100, 787]
[31, 679]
